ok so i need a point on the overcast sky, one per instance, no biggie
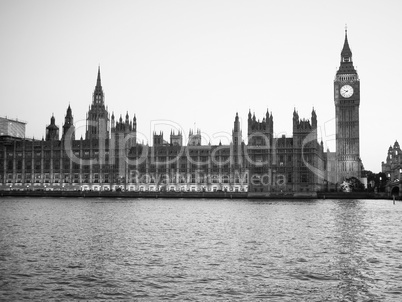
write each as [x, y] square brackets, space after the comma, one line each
[194, 64]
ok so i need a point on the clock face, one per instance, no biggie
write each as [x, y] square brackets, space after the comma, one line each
[346, 91]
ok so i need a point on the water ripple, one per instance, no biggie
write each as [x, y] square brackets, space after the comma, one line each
[199, 250]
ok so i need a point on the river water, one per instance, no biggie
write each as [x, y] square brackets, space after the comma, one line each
[200, 250]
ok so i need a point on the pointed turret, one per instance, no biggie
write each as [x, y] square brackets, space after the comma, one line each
[346, 53]
[295, 115]
[52, 131]
[98, 125]
[346, 58]
[236, 133]
[236, 127]
[98, 92]
[98, 80]
[271, 122]
[296, 119]
[69, 124]
[314, 119]
[69, 112]
[113, 122]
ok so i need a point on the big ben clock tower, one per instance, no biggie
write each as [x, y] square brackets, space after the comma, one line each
[347, 102]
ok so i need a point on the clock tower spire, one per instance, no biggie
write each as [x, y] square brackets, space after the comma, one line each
[346, 66]
[347, 102]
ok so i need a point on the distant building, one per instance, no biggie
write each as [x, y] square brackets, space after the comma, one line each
[392, 167]
[285, 164]
[10, 128]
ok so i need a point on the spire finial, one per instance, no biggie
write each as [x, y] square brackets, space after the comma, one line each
[98, 80]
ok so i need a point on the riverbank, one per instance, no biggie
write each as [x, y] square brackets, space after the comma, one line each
[213, 195]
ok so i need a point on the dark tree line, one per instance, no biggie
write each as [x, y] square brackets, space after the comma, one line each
[376, 181]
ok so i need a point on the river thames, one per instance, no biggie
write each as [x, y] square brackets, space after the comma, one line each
[200, 250]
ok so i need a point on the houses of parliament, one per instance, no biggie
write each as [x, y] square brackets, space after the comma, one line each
[111, 158]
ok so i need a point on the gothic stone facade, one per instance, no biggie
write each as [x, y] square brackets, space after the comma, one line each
[392, 167]
[285, 164]
[110, 157]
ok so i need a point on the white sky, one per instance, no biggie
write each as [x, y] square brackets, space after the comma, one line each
[197, 63]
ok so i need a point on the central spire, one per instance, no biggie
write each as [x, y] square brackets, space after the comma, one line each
[98, 93]
[98, 80]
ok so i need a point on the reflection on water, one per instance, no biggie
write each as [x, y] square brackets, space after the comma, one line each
[151, 250]
[351, 228]
[365, 235]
